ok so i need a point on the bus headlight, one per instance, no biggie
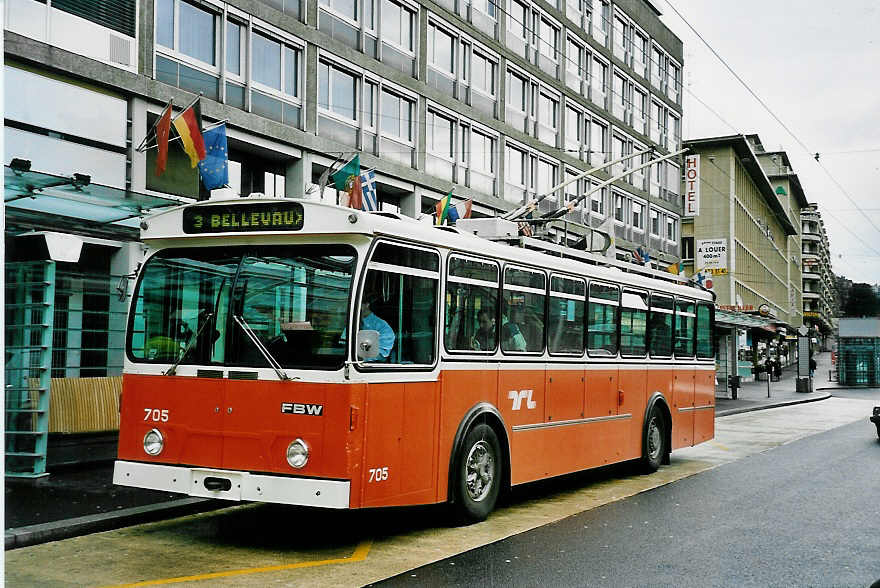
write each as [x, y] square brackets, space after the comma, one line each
[297, 454]
[154, 442]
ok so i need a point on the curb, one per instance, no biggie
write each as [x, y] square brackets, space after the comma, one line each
[731, 411]
[67, 528]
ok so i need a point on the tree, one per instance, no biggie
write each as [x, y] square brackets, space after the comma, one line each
[861, 302]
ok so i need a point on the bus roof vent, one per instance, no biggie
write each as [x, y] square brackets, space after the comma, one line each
[489, 228]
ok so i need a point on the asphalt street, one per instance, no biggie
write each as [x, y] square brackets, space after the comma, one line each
[803, 514]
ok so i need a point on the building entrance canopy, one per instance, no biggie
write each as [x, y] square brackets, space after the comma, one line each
[73, 202]
[728, 318]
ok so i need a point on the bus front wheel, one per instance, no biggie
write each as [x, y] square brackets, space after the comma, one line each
[654, 441]
[478, 474]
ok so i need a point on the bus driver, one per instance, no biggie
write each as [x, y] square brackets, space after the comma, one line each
[374, 323]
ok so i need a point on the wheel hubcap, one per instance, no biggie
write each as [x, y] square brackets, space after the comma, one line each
[480, 471]
[654, 439]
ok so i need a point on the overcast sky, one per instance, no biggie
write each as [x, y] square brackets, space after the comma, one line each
[816, 64]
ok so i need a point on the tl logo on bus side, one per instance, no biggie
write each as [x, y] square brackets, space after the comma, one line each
[518, 396]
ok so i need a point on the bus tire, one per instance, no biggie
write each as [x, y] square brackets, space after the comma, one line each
[654, 441]
[478, 475]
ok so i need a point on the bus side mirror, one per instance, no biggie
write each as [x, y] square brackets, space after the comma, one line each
[367, 345]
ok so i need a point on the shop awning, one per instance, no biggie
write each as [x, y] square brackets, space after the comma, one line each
[74, 201]
[731, 318]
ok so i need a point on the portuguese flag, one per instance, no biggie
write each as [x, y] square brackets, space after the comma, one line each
[188, 126]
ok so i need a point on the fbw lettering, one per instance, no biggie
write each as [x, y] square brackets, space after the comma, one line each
[518, 396]
[299, 408]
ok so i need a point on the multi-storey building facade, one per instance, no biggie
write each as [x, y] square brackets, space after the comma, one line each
[742, 216]
[501, 100]
[820, 285]
[788, 189]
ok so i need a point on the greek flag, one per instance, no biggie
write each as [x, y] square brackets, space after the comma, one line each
[368, 186]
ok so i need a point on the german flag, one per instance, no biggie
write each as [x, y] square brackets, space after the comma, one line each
[188, 126]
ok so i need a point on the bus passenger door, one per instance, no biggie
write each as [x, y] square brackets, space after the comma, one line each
[399, 450]
[683, 408]
[631, 401]
[704, 397]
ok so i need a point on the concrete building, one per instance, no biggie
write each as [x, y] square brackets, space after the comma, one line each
[501, 101]
[743, 243]
[820, 284]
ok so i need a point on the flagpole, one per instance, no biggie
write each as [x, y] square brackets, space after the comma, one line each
[188, 106]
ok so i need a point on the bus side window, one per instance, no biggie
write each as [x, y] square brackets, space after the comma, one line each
[565, 329]
[522, 310]
[602, 319]
[401, 288]
[471, 305]
[705, 322]
[633, 324]
[684, 328]
[660, 326]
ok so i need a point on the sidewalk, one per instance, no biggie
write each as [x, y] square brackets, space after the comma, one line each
[754, 395]
[81, 500]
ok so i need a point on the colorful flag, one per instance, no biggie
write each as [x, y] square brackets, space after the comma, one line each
[674, 268]
[442, 208]
[352, 168]
[465, 208]
[214, 168]
[163, 129]
[641, 255]
[368, 188]
[354, 193]
[188, 125]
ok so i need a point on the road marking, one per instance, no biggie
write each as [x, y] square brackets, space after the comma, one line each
[360, 554]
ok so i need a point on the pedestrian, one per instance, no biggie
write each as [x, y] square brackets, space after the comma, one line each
[812, 366]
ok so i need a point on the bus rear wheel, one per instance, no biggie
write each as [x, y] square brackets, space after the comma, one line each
[654, 443]
[478, 475]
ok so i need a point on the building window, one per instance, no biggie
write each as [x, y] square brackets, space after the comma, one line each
[574, 130]
[192, 33]
[638, 216]
[234, 48]
[618, 207]
[397, 116]
[597, 200]
[640, 54]
[548, 118]
[655, 222]
[460, 68]
[658, 68]
[599, 82]
[398, 23]
[337, 91]
[598, 141]
[448, 135]
[671, 228]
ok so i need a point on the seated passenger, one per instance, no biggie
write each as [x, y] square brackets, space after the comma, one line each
[484, 338]
[512, 338]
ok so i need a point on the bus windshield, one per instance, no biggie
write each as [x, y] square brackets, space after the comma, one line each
[295, 299]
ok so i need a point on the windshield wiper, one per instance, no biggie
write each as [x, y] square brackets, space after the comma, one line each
[193, 340]
[259, 344]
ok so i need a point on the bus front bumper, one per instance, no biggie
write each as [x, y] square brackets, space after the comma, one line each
[233, 485]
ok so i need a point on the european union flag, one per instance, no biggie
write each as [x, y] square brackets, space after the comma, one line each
[214, 168]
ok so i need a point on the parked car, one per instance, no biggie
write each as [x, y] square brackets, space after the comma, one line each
[875, 418]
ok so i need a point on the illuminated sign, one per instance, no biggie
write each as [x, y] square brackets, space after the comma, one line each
[242, 218]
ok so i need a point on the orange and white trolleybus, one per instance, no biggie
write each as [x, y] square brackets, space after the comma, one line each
[296, 352]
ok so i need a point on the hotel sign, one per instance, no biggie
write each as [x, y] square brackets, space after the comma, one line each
[691, 185]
